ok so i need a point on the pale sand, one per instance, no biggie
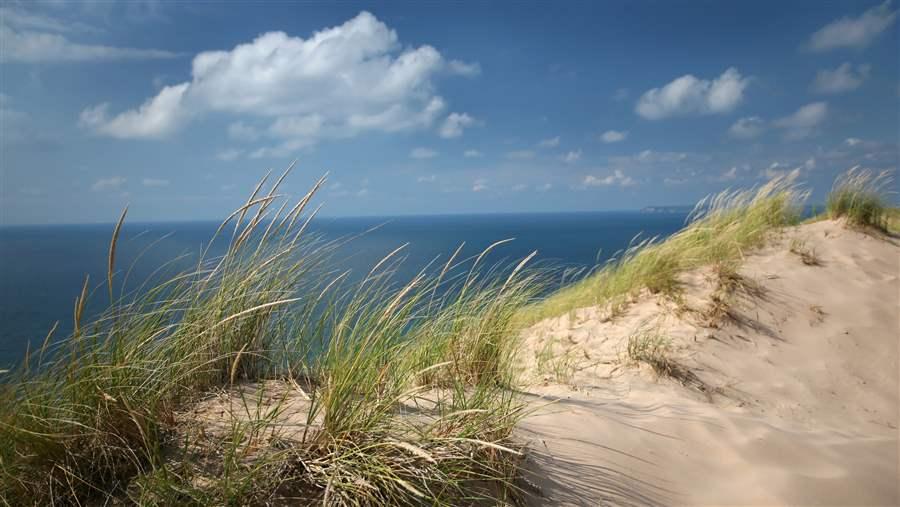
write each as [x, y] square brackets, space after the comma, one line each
[800, 398]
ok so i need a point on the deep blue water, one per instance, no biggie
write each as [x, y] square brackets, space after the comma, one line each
[42, 268]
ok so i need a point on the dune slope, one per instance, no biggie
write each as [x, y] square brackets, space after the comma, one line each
[785, 387]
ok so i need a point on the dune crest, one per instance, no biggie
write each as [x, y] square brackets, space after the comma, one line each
[773, 384]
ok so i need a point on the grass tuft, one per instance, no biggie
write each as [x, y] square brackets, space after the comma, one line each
[720, 230]
[343, 392]
[860, 196]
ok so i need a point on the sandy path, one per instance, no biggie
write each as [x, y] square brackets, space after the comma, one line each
[803, 379]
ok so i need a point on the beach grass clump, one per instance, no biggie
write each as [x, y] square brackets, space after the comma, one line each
[720, 230]
[860, 196]
[389, 393]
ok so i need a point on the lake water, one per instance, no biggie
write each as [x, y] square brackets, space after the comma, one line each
[42, 268]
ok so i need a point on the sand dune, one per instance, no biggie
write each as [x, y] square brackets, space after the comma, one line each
[787, 395]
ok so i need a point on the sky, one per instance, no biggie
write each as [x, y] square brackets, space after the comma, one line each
[177, 109]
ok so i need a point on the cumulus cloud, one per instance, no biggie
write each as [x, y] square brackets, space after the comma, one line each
[104, 184]
[154, 182]
[842, 79]
[855, 33]
[688, 95]
[553, 142]
[747, 128]
[422, 153]
[472, 154]
[480, 185]
[616, 178]
[571, 157]
[804, 121]
[454, 124]
[156, 118]
[337, 83]
[613, 136]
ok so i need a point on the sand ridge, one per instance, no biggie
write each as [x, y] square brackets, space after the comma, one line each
[792, 399]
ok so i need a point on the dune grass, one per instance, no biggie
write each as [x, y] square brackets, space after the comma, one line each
[406, 385]
[860, 196]
[720, 230]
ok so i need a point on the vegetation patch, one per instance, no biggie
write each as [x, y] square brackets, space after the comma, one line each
[860, 196]
[369, 392]
[721, 230]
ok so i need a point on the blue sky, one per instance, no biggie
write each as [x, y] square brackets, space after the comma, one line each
[178, 108]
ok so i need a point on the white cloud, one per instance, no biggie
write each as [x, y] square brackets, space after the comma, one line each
[229, 155]
[621, 94]
[616, 178]
[463, 68]
[810, 164]
[519, 187]
[855, 33]
[26, 20]
[426, 179]
[343, 80]
[841, 79]
[777, 170]
[747, 128]
[103, 184]
[422, 153]
[480, 185]
[571, 157]
[689, 95]
[544, 188]
[520, 154]
[36, 38]
[472, 154]
[852, 141]
[613, 136]
[455, 124]
[156, 118]
[153, 182]
[553, 142]
[804, 121]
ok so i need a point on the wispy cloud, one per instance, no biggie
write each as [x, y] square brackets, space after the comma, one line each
[105, 184]
[422, 153]
[747, 128]
[613, 136]
[229, 155]
[854, 33]
[804, 121]
[31, 37]
[842, 79]
[154, 182]
[571, 157]
[472, 154]
[520, 154]
[553, 142]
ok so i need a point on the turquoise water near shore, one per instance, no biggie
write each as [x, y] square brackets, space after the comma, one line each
[42, 268]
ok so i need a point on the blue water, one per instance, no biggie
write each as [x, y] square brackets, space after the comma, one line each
[42, 268]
